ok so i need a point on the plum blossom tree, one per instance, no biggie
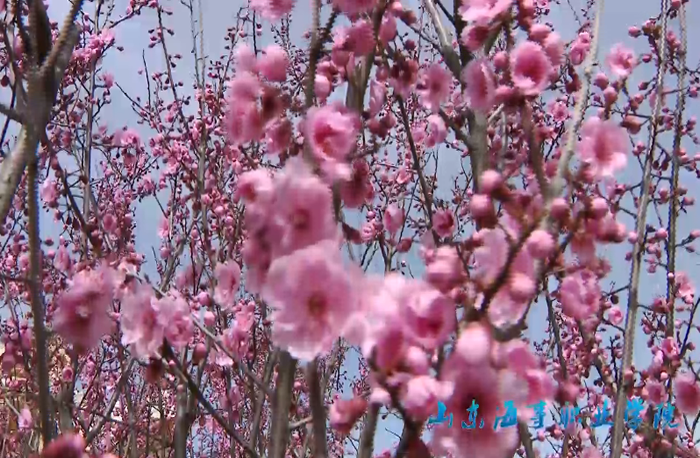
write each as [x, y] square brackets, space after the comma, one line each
[412, 204]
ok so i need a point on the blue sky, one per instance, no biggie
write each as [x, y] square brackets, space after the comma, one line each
[220, 14]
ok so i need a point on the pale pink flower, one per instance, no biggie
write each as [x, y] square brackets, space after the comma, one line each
[273, 63]
[173, 315]
[685, 290]
[332, 133]
[65, 446]
[235, 340]
[603, 146]
[303, 205]
[530, 67]
[481, 86]
[482, 385]
[434, 87]
[245, 58]
[393, 218]
[445, 270]
[421, 395]
[554, 47]
[484, 11]
[48, 191]
[429, 316]
[354, 7]
[615, 315]
[228, 279]
[25, 420]
[687, 392]
[437, 131]
[314, 297]
[580, 294]
[272, 10]
[580, 47]
[591, 452]
[621, 60]
[344, 413]
[243, 122]
[377, 95]
[491, 256]
[322, 87]
[139, 322]
[81, 316]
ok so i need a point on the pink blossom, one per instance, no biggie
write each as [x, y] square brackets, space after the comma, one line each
[304, 209]
[437, 131]
[482, 385]
[314, 297]
[173, 316]
[48, 192]
[444, 223]
[530, 67]
[621, 60]
[245, 58]
[65, 446]
[332, 133]
[580, 294]
[484, 11]
[273, 63]
[445, 270]
[421, 395]
[615, 315]
[358, 189]
[272, 10]
[139, 322]
[554, 47]
[685, 287]
[603, 146]
[687, 392]
[434, 87]
[429, 316]
[228, 279]
[388, 29]
[656, 392]
[354, 7]
[580, 48]
[243, 122]
[360, 38]
[235, 340]
[344, 414]
[393, 218]
[278, 136]
[377, 95]
[25, 420]
[481, 86]
[81, 316]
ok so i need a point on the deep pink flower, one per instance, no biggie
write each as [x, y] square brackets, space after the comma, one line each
[314, 296]
[621, 60]
[530, 67]
[228, 279]
[278, 136]
[580, 294]
[332, 133]
[303, 205]
[360, 38]
[273, 63]
[481, 86]
[388, 29]
[358, 189]
[434, 87]
[81, 316]
[603, 146]
[272, 10]
[687, 392]
[483, 12]
[580, 47]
